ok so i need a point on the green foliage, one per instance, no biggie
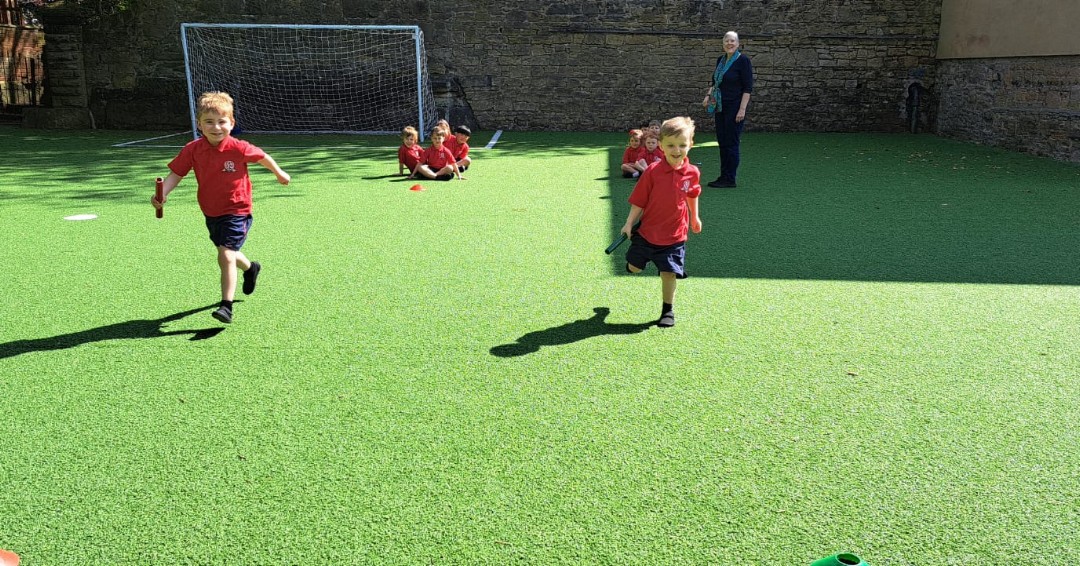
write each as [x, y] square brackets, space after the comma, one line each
[82, 11]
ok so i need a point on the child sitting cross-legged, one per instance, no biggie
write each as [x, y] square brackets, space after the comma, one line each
[437, 161]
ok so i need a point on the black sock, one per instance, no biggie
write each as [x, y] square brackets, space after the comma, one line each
[227, 304]
[667, 308]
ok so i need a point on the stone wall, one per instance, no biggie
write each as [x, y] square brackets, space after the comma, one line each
[1029, 104]
[832, 65]
[66, 94]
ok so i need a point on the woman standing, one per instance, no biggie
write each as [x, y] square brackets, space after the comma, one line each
[729, 93]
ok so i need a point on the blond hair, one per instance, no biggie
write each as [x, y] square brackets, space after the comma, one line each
[214, 101]
[680, 125]
[444, 126]
[409, 131]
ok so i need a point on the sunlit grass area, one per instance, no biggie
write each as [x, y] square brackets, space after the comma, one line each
[876, 352]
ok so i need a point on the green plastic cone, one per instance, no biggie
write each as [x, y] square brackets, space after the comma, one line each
[844, 559]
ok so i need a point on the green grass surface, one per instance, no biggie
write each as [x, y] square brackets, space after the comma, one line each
[876, 352]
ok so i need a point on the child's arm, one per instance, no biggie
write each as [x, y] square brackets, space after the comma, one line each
[695, 220]
[166, 187]
[632, 218]
[269, 163]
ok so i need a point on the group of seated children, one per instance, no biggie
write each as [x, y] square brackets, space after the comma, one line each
[642, 150]
[447, 157]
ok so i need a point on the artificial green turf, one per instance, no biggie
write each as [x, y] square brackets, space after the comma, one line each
[876, 352]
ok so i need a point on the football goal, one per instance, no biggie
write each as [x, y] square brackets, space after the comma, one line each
[312, 78]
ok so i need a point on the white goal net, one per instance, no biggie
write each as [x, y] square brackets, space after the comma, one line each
[312, 79]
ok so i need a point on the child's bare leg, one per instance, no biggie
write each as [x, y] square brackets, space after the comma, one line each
[425, 171]
[448, 170]
[667, 312]
[229, 261]
[667, 285]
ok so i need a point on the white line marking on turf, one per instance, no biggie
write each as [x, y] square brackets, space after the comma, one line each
[81, 217]
[143, 145]
[125, 144]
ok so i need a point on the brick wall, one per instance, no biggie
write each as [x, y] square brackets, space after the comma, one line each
[21, 69]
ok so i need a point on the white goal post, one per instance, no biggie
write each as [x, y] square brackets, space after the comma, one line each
[307, 79]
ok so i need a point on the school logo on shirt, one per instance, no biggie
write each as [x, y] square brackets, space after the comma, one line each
[230, 167]
[685, 186]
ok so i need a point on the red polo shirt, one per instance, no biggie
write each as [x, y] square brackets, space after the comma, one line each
[460, 150]
[222, 174]
[437, 158]
[409, 156]
[654, 155]
[661, 192]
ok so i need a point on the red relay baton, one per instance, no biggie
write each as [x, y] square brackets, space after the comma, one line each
[159, 194]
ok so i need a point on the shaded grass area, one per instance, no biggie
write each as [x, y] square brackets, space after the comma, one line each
[460, 375]
[889, 208]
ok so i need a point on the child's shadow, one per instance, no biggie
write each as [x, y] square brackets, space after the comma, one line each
[567, 333]
[131, 329]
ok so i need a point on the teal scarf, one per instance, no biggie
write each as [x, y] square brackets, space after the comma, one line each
[718, 77]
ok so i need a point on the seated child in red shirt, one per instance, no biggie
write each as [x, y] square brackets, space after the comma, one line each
[632, 164]
[408, 155]
[437, 161]
[652, 152]
[459, 146]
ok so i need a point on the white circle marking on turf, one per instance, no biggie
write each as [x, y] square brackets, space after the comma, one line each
[81, 217]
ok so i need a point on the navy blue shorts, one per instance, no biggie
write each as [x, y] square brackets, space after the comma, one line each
[667, 258]
[230, 230]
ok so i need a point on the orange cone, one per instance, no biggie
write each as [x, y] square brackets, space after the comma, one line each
[8, 558]
[416, 188]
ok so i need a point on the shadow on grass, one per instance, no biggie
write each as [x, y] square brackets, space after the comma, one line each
[132, 329]
[570, 332]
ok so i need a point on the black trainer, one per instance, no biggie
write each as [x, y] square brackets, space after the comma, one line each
[667, 320]
[223, 313]
[250, 276]
[721, 184]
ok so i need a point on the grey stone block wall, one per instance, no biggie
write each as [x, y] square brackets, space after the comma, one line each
[571, 64]
[831, 65]
[1028, 104]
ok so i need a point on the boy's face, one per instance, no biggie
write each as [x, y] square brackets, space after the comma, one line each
[460, 137]
[215, 127]
[437, 138]
[651, 143]
[676, 148]
[409, 140]
[655, 128]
